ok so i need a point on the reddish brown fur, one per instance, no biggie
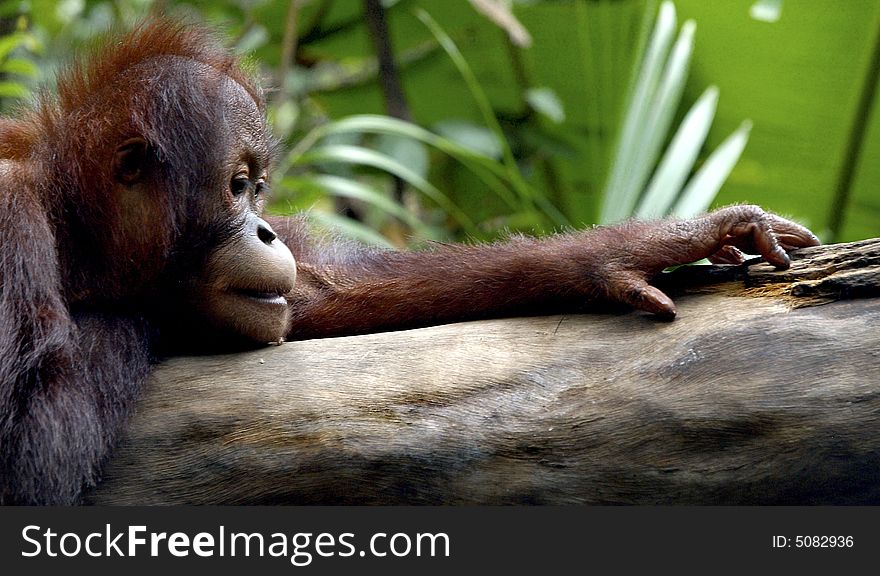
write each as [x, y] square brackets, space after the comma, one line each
[79, 84]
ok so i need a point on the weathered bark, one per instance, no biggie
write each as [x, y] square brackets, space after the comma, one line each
[755, 394]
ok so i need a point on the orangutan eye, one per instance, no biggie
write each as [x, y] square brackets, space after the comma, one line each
[239, 185]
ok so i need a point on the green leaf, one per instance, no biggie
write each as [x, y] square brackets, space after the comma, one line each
[13, 90]
[701, 190]
[9, 43]
[473, 137]
[347, 188]
[487, 169]
[411, 153]
[349, 228]
[766, 10]
[662, 111]
[620, 196]
[546, 102]
[20, 66]
[284, 118]
[363, 156]
[680, 157]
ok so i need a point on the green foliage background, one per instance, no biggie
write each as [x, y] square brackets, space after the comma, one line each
[801, 76]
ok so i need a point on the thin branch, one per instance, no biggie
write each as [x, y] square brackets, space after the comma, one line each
[855, 143]
[389, 78]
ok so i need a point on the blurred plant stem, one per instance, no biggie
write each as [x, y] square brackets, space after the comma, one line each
[855, 143]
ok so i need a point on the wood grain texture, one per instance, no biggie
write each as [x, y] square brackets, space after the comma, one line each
[748, 397]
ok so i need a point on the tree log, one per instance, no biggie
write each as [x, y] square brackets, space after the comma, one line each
[764, 390]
